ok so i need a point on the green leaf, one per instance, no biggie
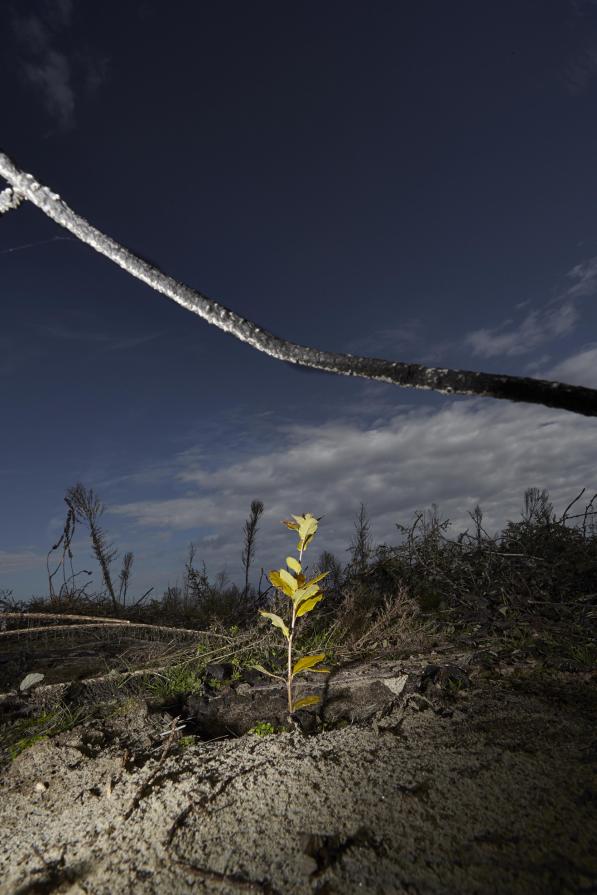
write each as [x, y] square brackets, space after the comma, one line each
[277, 581]
[263, 670]
[308, 605]
[293, 564]
[307, 662]
[276, 621]
[289, 579]
[306, 700]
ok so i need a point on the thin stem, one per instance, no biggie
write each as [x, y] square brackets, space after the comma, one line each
[289, 685]
[289, 682]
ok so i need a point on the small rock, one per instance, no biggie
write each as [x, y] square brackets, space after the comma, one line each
[197, 705]
[446, 677]
[41, 786]
[307, 721]
[252, 676]
[219, 671]
[396, 684]
[419, 703]
[30, 681]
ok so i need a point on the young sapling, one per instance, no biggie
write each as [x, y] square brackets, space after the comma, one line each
[304, 596]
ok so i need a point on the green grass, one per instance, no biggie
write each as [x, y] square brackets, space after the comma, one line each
[20, 735]
[265, 729]
[176, 680]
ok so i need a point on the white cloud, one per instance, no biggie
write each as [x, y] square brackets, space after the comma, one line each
[558, 318]
[106, 340]
[49, 69]
[585, 276]
[471, 451]
[20, 561]
[579, 369]
[53, 76]
[536, 328]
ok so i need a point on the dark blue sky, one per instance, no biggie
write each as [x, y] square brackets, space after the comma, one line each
[409, 181]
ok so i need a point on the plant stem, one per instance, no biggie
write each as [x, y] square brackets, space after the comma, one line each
[289, 684]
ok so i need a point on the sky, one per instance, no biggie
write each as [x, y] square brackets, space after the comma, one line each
[409, 181]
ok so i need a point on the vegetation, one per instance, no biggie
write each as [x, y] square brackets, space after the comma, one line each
[262, 729]
[533, 563]
[22, 734]
[531, 589]
[304, 596]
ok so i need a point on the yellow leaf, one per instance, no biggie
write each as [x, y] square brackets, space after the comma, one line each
[277, 581]
[293, 564]
[317, 578]
[265, 671]
[304, 593]
[276, 621]
[308, 605]
[290, 524]
[321, 670]
[306, 700]
[289, 579]
[307, 662]
[307, 529]
[304, 542]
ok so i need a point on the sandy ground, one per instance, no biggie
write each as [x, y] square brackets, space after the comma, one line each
[491, 790]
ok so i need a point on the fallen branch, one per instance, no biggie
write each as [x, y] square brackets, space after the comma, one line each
[575, 398]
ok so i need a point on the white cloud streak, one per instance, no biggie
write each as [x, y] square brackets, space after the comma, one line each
[472, 451]
[53, 77]
[104, 340]
[580, 369]
[19, 561]
[558, 318]
[49, 69]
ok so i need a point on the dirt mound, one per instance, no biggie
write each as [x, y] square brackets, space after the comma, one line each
[448, 778]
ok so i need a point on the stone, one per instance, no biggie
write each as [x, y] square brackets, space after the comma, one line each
[219, 671]
[445, 677]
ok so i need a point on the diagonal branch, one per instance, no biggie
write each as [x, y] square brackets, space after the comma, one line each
[575, 398]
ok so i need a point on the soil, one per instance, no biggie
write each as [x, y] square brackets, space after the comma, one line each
[452, 772]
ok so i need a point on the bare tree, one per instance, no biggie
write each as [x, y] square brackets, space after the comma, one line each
[250, 532]
[88, 508]
[537, 506]
[575, 398]
[125, 575]
[327, 562]
[196, 584]
[360, 549]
